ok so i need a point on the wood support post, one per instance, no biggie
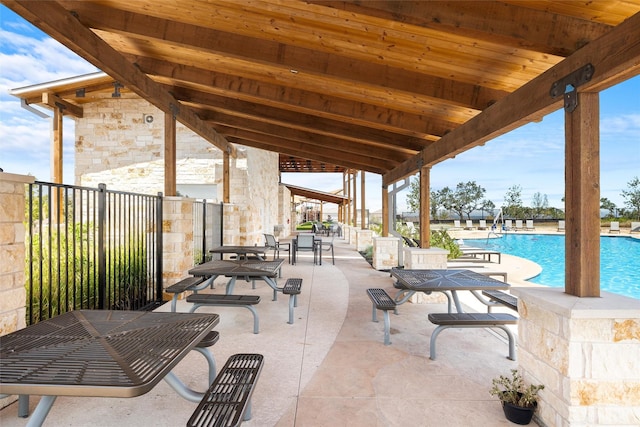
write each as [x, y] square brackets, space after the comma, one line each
[425, 207]
[362, 201]
[226, 177]
[170, 173]
[582, 197]
[385, 211]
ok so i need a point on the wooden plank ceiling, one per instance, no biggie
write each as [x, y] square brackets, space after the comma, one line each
[365, 85]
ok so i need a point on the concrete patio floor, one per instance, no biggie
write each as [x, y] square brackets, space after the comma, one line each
[330, 367]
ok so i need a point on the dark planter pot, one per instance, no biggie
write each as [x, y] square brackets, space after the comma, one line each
[518, 414]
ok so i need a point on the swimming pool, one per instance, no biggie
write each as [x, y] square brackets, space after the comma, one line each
[619, 259]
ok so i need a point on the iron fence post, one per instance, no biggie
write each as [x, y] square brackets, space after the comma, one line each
[102, 259]
[159, 251]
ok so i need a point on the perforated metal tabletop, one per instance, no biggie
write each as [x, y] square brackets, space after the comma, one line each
[98, 352]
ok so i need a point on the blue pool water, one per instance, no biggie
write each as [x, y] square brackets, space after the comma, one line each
[619, 259]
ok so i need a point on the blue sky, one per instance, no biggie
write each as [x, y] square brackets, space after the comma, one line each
[531, 156]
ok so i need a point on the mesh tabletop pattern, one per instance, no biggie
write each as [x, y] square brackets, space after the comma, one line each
[443, 280]
[247, 268]
[98, 353]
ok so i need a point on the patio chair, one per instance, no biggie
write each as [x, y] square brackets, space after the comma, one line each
[469, 225]
[614, 227]
[508, 224]
[482, 224]
[561, 225]
[519, 225]
[635, 227]
[529, 225]
[272, 244]
[305, 242]
[328, 246]
[456, 223]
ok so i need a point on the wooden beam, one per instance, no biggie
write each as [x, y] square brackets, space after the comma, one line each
[354, 199]
[60, 24]
[615, 56]
[57, 103]
[170, 172]
[582, 197]
[57, 137]
[425, 208]
[288, 56]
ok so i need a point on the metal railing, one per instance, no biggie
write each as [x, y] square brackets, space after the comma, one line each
[91, 248]
[207, 230]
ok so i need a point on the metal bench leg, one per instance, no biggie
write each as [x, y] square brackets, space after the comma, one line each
[387, 328]
[210, 360]
[174, 300]
[23, 405]
[374, 314]
[247, 413]
[512, 341]
[41, 411]
[432, 341]
[292, 299]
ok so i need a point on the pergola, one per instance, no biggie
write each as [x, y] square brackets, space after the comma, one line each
[385, 87]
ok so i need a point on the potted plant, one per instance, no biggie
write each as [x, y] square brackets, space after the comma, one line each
[519, 402]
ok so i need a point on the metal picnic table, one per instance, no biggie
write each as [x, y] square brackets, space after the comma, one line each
[442, 281]
[99, 353]
[248, 269]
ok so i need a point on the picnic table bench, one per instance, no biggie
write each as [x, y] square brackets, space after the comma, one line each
[246, 301]
[227, 402]
[381, 300]
[502, 298]
[292, 287]
[472, 320]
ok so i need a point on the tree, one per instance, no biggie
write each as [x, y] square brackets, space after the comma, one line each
[539, 205]
[632, 196]
[413, 196]
[513, 202]
[608, 205]
[467, 198]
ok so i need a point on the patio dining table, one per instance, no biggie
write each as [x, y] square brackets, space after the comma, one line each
[248, 269]
[242, 252]
[447, 280]
[99, 353]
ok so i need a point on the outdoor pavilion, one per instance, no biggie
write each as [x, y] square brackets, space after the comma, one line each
[391, 88]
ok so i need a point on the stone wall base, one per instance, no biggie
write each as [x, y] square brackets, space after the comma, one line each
[585, 351]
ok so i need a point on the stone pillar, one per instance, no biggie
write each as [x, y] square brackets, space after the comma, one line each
[426, 258]
[346, 233]
[12, 256]
[585, 351]
[352, 235]
[177, 240]
[363, 239]
[385, 252]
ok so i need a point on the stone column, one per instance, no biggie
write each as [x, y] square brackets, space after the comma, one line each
[585, 351]
[385, 252]
[12, 256]
[177, 239]
[363, 239]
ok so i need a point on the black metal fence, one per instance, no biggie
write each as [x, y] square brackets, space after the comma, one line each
[207, 230]
[91, 248]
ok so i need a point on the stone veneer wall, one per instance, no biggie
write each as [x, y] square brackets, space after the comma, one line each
[117, 147]
[12, 256]
[385, 252]
[177, 239]
[585, 351]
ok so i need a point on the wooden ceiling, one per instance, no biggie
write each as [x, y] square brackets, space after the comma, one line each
[381, 86]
